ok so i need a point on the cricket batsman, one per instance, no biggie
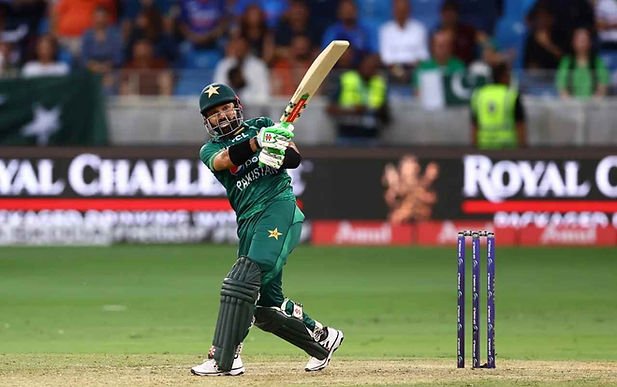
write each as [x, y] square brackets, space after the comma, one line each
[250, 159]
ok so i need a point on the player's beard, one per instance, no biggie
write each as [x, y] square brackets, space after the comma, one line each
[225, 126]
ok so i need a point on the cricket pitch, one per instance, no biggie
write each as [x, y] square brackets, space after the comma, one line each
[150, 370]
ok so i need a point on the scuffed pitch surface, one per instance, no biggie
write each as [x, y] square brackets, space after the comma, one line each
[147, 370]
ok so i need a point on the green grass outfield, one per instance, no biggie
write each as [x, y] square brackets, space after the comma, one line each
[552, 303]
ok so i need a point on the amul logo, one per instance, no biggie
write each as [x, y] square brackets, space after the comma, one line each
[574, 235]
[376, 234]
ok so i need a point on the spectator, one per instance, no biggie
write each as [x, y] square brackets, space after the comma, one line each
[482, 14]
[9, 64]
[295, 22]
[203, 23]
[273, 9]
[490, 53]
[497, 114]
[606, 23]
[102, 47]
[288, 71]
[254, 28]
[71, 19]
[46, 62]
[346, 62]
[374, 12]
[464, 35]
[348, 28]
[29, 12]
[244, 72]
[150, 24]
[442, 64]
[541, 51]
[582, 74]
[132, 8]
[471, 40]
[568, 16]
[402, 42]
[25, 17]
[360, 104]
[322, 16]
[146, 74]
[13, 32]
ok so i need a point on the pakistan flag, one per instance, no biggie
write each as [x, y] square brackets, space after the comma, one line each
[447, 85]
[67, 110]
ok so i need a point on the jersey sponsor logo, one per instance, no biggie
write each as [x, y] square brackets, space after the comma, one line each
[237, 169]
[240, 137]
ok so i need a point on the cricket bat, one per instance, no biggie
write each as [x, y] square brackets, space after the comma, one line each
[314, 77]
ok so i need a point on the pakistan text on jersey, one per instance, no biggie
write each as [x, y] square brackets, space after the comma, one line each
[254, 175]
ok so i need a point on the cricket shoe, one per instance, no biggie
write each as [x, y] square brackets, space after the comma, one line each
[210, 368]
[332, 340]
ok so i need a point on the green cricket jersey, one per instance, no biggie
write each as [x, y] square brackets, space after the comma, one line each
[250, 188]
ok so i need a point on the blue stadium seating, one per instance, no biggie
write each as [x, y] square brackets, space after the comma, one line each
[427, 12]
[190, 81]
[610, 59]
[517, 9]
[536, 84]
[540, 90]
[199, 59]
[44, 26]
[511, 29]
[510, 34]
[374, 12]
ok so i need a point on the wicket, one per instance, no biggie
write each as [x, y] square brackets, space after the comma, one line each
[475, 307]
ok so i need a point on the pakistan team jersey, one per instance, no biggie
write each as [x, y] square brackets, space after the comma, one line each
[250, 188]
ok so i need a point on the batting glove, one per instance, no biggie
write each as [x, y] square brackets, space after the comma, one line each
[274, 137]
[271, 158]
[285, 125]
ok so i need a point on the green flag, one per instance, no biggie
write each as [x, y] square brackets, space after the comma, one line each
[459, 86]
[68, 110]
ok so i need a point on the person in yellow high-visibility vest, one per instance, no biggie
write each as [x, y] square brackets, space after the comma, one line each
[497, 114]
[359, 104]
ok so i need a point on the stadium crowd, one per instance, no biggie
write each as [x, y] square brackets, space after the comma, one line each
[243, 42]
